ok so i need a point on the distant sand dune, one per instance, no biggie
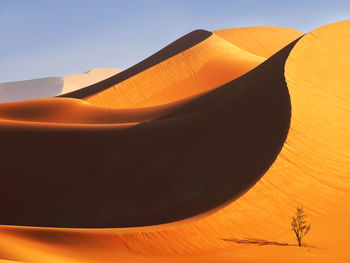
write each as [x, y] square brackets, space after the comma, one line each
[185, 146]
[50, 87]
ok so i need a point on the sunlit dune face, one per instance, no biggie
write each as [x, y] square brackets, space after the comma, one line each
[223, 56]
[214, 73]
[201, 68]
[183, 43]
[317, 74]
[261, 41]
[76, 112]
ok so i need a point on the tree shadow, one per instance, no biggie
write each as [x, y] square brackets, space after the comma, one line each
[263, 242]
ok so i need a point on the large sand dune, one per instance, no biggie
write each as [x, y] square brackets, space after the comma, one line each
[187, 147]
[219, 134]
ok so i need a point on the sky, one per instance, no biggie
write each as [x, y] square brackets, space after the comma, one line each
[47, 38]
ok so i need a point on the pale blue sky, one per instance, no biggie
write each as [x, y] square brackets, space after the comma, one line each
[42, 38]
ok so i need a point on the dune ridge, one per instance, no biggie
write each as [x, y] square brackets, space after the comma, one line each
[172, 49]
[210, 63]
[263, 41]
[207, 65]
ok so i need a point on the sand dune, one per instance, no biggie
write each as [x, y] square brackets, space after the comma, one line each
[205, 66]
[199, 121]
[30, 89]
[77, 81]
[210, 63]
[167, 52]
[202, 151]
[122, 142]
[50, 87]
[73, 112]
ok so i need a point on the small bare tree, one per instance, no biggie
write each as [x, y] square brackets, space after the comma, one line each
[300, 225]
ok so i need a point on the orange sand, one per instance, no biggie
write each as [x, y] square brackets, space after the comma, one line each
[262, 41]
[311, 170]
[202, 67]
[207, 65]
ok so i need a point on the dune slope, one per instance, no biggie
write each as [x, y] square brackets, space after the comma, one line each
[207, 65]
[210, 62]
[167, 52]
[262, 41]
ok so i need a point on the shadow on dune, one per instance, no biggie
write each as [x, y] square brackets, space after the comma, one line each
[178, 46]
[207, 152]
[253, 241]
[263, 242]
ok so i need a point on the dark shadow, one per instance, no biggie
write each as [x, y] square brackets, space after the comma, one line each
[252, 241]
[178, 46]
[56, 236]
[262, 242]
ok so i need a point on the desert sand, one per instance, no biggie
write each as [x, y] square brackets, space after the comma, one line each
[262, 41]
[52, 86]
[199, 154]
